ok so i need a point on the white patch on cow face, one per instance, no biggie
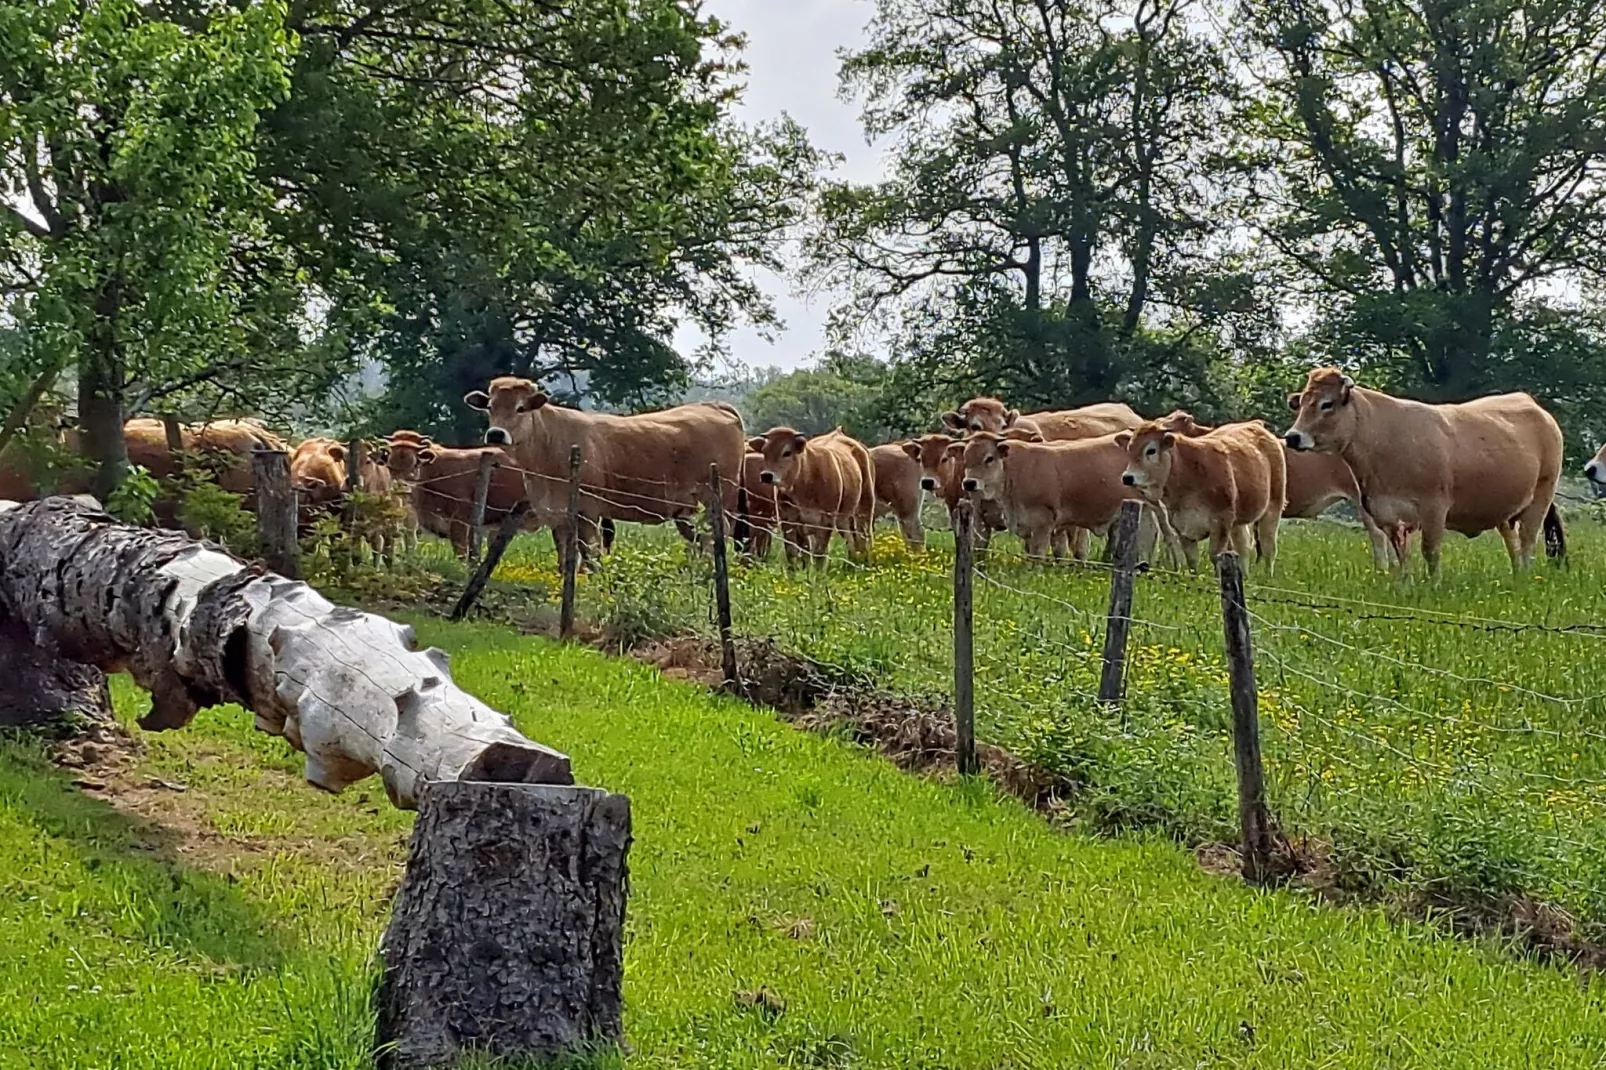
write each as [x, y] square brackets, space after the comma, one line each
[498, 436]
[1595, 471]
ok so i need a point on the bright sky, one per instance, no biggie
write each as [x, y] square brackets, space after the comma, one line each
[791, 56]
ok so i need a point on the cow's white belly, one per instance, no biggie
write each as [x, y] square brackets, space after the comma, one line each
[1192, 524]
[1387, 510]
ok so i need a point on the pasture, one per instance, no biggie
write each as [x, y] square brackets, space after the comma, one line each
[795, 902]
[1442, 744]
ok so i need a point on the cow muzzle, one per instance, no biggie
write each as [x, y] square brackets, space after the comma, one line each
[1129, 479]
[972, 484]
[498, 436]
[1595, 472]
[927, 483]
[1298, 440]
[767, 477]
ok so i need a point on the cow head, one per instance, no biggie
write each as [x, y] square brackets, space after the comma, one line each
[931, 453]
[1326, 420]
[410, 453]
[511, 405]
[780, 447]
[1181, 422]
[318, 472]
[981, 458]
[1595, 471]
[1148, 456]
[980, 414]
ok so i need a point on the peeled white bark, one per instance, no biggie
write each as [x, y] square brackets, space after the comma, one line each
[196, 628]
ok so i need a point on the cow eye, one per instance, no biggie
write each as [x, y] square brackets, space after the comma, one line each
[1326, 405]
[1151, 451]
[786, 453]
[990, 460]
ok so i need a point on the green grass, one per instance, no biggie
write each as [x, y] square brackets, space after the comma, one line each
[898, 922]
[1455, 765]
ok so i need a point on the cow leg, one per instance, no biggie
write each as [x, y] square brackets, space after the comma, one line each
[914, 536]
[1266, 536]
[1190, 552]
[608, 532]
[1530, 525]
[1432, 540]
[1508, 535]
[1242, 540]
[1037, 541]
[1377, 537]
[758, 543]
[1081, 543]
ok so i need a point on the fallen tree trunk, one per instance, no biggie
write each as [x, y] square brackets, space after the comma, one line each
[197, 628]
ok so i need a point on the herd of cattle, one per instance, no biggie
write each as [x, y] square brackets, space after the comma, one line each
[1052, 478]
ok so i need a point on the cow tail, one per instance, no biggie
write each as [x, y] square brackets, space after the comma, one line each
[741, 530]
[1555, 535]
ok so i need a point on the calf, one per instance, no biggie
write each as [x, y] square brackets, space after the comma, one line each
[826, 485]
[760, 509]
[442, 480]
[1218, 485]
[897, 490]
[942, 473]
[1043, 489]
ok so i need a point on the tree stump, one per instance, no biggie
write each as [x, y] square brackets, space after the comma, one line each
[506, 937]
[45, 691]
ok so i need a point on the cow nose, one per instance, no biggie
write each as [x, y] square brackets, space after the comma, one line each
[971, 484]
[1595, 472]
[1295, 440]
[1129, 479]
[496, 436]
[927, 483]
[766, 477]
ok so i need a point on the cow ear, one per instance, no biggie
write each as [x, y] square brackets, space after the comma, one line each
[530, 404]
[427, 456]
[1003, 448]
[1011, 416]
[1294, 399]
[756, 444]
[310, 483]
[912, 449]
[953, 420]
[337, 452]
[1348, 385]
[956, 449]
[1123, 439]
[799, 441]
[1167, 440]
[477, 399]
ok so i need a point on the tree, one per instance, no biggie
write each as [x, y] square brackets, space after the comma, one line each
[1430, 170]
[521, 187]
[1050, 194]
[843, 392]
[132, 233]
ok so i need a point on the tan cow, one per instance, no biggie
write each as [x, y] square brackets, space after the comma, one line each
[1595, 471]
[826, 486]
[1493, 462]
[441, 483]
[1222, 485]
[1042, 489]
[1316, 481]
[1066, 425]
[760, 512]
[648, 468]
[942, 473]
[897, 490]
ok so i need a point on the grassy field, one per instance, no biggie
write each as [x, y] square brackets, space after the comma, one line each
[887, 921]
[1418, 742]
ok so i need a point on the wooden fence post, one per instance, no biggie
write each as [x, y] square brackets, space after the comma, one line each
[1252, 815]
[504, 535]
[507, 934]
[722, 584]
[964, 642]
[175, 437]
[276, 512]
[1124, 547]
[570, 551]
[356, 453]
[482, 491]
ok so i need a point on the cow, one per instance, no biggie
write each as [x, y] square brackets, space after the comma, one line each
[441, 480]
[760, 509]
[897, 490]
[942, 473]
[1066, 425]
[826, 485]
[1595, 472]
[1315, 482]
[1493, 462]
[648, 468]
[1221, 485]
[1043, 489]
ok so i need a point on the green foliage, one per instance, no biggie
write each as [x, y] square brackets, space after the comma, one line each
[132, 499]
[210, 512]
[844, 393]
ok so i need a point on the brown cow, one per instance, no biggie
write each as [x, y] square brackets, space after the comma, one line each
[1493, 462]
[762, 511]
[1595, 472]
[1315, 482]
[1218, 485]
[646, 468]
[942, 473]
[1066, 425]
[826, 485]
[442, 480]
[1045, 488]
[897, 490]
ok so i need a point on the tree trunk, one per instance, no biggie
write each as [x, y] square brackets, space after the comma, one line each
[45, 692]
[198, 628]
[507, 933]
[100, 410]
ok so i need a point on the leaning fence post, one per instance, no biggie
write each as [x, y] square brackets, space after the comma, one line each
[276, 512]
[964, 643]
[504, 535]
[722, 583]
[1124, 547]
[482, 492]
[570, 551]
[1252, 815]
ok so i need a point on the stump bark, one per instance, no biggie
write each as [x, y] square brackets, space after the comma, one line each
[506, 937]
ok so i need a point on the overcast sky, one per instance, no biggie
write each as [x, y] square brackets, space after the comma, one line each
[791, 56]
